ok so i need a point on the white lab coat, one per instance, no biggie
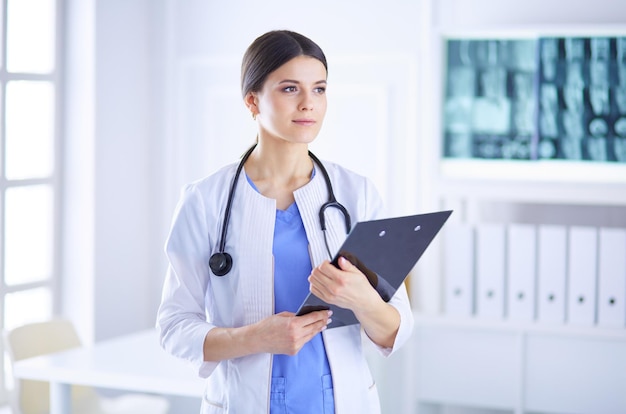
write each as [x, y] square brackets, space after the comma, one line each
[194, 300]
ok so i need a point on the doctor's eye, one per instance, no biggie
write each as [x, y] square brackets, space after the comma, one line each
[320, 90]
[289, 89]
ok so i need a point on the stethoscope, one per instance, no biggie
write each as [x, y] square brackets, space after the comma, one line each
[221, 262]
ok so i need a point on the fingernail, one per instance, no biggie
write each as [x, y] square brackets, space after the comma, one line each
[328, 322]
[330, 313]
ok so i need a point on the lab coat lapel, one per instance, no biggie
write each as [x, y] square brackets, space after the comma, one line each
[255, 260]
[310, 199]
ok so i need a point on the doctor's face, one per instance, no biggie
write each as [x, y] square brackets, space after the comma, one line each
[292, 103]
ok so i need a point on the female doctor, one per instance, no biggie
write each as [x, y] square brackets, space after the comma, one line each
[246, 246]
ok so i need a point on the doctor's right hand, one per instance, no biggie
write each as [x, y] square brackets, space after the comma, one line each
[283, 333]
[286, 333]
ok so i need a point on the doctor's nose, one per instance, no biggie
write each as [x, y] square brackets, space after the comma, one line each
[307, 103]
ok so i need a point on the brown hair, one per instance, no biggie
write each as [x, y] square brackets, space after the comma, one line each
[270, 51]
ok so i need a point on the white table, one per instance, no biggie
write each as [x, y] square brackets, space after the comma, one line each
[132, 362]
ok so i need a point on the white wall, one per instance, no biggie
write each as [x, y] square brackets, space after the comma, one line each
[461, 14]
[207, 40]
[78, 173]
[109, 252]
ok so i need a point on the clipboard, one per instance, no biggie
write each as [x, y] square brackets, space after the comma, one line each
[385, 251]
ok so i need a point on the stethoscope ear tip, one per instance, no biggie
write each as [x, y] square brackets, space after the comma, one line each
[220, 263]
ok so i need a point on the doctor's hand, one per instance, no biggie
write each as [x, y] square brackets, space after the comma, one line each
[286, 333]
[283, 333]
[347, 287]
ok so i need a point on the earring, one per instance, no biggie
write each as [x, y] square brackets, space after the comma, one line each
[253, 116]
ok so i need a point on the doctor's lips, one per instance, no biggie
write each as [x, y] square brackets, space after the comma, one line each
[304, 121]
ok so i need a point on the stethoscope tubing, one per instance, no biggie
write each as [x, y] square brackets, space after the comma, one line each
[221, 262]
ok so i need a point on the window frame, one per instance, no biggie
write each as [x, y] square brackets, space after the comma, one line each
[54, 181]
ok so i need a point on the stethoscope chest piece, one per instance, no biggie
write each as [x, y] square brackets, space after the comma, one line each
[220, 263]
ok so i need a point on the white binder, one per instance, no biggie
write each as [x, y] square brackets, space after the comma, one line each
[458, 268]
[612, 278]
[551, 276]
[582, 265]
[490, 268]
[521, 272]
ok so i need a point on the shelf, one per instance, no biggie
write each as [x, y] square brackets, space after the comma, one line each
[553, 172]
[534, 182]
[511, 327]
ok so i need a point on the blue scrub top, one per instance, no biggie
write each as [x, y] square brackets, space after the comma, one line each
[301, 383]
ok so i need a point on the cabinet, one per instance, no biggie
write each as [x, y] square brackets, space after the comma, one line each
[547, 349]
[519, 367]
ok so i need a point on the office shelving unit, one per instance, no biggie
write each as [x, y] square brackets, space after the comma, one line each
[494, 363]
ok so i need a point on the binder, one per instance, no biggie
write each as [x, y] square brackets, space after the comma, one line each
[551, 273]
[458, 269]
[521, 272]
[490, 268]
[612, 278]
[582, 265]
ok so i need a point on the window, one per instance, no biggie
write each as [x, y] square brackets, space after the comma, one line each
[29, 163]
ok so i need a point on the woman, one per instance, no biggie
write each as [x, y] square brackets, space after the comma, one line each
[265, 237]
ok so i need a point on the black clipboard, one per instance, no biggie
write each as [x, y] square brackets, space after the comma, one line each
[385, 251]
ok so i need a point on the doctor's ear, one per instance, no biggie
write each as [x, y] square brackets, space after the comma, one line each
[250, 100]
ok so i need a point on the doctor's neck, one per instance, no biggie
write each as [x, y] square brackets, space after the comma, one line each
[285, 160]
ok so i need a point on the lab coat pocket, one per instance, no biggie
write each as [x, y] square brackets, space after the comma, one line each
[211, 407]
[277, 396]
[373, 398]
[329, 396]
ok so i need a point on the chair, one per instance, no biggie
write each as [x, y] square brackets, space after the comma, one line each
[33, 397]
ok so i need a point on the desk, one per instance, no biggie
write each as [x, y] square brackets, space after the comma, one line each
[132, 362]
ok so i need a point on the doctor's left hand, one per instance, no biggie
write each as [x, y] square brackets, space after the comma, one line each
[346, 287]
[349, 288]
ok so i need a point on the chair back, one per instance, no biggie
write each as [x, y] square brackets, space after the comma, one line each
[37, 339]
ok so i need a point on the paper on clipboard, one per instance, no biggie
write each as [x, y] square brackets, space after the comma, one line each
[385, 251]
